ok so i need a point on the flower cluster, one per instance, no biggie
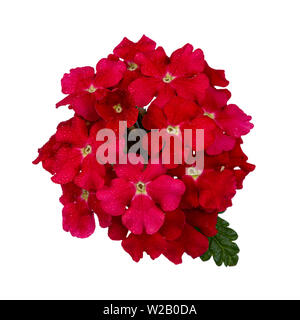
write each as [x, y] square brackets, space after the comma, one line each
[157, 208]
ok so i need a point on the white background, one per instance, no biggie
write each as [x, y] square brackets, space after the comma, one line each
[256, 42]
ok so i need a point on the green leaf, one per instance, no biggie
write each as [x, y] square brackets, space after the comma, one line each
[221, 246]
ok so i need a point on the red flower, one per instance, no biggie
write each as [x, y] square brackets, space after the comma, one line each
[78, 211]
[216, 189]
[187, 241]
[76, 158]
[211, 189]
[117, 106]
[141, 196]
[47, 154]
[127, 50]
[216, 77]
[176, 116]
[191, 241]
[163, 76]
[153, 245]
[204, 221]
[116, 230]
[231, 119]
[238, 163]
[173, 225]
[83, 86]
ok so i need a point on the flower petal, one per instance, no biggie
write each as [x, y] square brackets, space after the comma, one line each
[185, 62]
[173, 224]
[153, 64]
[67, 164]
[73, 131]
[234, 121]
[166, 191]
[195, 243]
[222, 143]
[78, 219]
[143, 215]
[216, 190]
[109, 73]
[116, 230]
[134, 246]
[127, 49]
[115, 198]
[143, 90]
[131, 172]
[179, 110]
[206, 222]
[77, 80]
[216, 77]
[191, 88]
[154, 118]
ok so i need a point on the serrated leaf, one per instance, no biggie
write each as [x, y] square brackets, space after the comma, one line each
[231, 260]
[229, 233]
[221, 246]
[217, 252]
[206, 256]
[222, 223]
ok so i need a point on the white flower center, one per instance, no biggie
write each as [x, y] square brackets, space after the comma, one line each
[140, 188]
[91, 89]
[210, 115]
[85, 194]
[193, 172]
[86, 150]
[132, 66]
[168, 78]
[173, 130]
[118, 108]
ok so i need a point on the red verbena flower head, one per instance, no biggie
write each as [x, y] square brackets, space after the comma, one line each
[136, 106]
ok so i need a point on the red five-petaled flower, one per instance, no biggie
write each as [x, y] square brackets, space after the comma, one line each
[141, 196]
[182, 74]
[83, 86]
